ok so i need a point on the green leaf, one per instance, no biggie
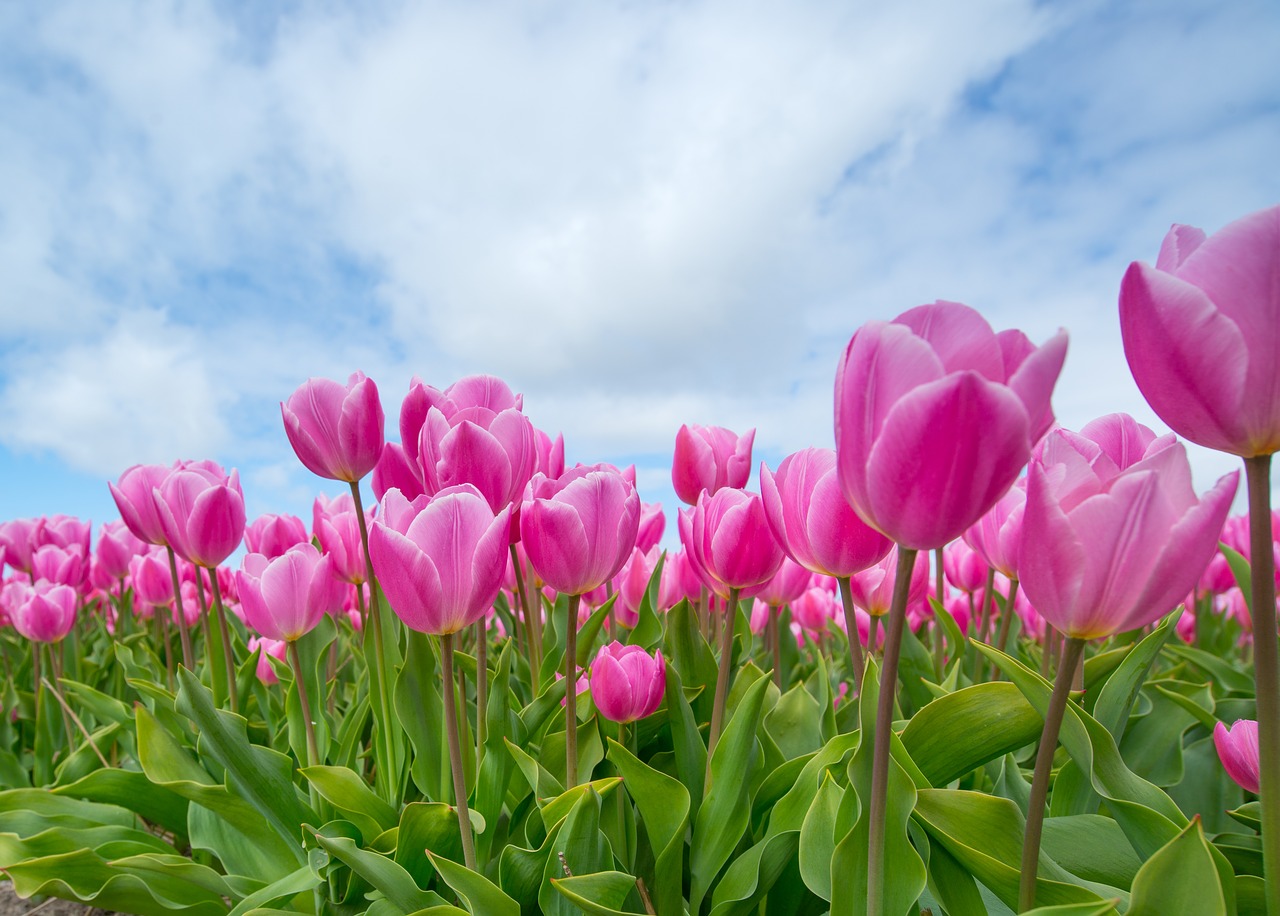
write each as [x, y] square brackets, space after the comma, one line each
[794, 723]
[1240, 571]
[419, 706]
[423, 826]
[480, 895]
[352, 796]
[963, 730]
[664, 808]
[726, 811]
[578, 849]
[292, 884]
[1091, 847]
[133, 790]
[600, 894]
[396, 884]
[690, 750]
[818, 837]
[1105, 908]
[1182, 870]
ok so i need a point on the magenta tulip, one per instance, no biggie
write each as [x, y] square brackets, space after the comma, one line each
[201, 513]
[708, 458]
[44, 612]
[135, 497]
[872, 588]
[61, 565]
[964, 567]
[336, 526]
[627, 683]
[652, 525]
[732, 540]
[813, 609]
[336, 430]
[632, 582]
[117, 545]
[811, 519]
[1201, 332]
[1238, 750]
[284, 597]
[997, 536]
[550, 453]
[440, 559]
[492, 451]
[270, 648]
[272, 535]
[579, 529]
[1115, 549]
[149, 575]
[935, 418]
[786, 585]
[485, 391]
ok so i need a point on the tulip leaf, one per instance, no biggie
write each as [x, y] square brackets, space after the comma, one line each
[396, 884]
[963, 730]
[497, 765]
[579, 848]
[647, 632]
[478, 894]
[290, 885]
[1103, 908]
[419, 706]
[954, 886]
[312, 649]
[664, 807]
[687, 743]
[818, 837]
[1184, 869]
[427, 826]
[600, 894]
[1091, 847]
[589, 632]
[1240, 571]
[133, 790]
[794, 723]
[726, 811]
[520, 870]
[352, 796]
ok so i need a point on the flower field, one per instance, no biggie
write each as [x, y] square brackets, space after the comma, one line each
[966, 662]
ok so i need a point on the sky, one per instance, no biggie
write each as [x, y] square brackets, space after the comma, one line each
[638, 214]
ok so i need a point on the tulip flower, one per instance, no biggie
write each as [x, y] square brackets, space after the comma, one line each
[337, 527]
[272, 535]
[441, 561]
[1201, 332]
[335, 430]
[578, 530]
[117, 545]
[135, 497]
[492, 451]
[627, 683]
[17, 542]
[550, 453]
[284, 597]
[486, 391]
[633, 582]
[61, 565]
[45, 612]
[652, 525]
[708, 458]
[270, 648]
[1238, 750]
[1118, 544]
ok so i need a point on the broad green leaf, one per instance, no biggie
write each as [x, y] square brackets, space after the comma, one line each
[601, 894]
[1181, 871]
[396, 884]
[292, 884]
[419, 705]
[687, 742]
[423, 826]
[1091, 847]
[818, 837]
[664, 807]
[133, 790]
[963, 730]
[1105, 908]
[351, 795]
[578, 850]
[794, 723]
[952, 883]
[480, 895]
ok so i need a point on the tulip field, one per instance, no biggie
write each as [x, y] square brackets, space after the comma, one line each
[966, 662]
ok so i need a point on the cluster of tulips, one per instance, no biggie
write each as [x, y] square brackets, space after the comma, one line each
[371, 691]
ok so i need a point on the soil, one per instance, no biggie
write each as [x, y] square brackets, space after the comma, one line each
[13, 905]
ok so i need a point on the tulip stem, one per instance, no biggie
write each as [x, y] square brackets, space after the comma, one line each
[571, 694]
[385, 766]
[532, 623]
[1006, 619]
[455, 754]
[774, 638]
[482, 687]
[179, 613]
[224, 636]
[1071, 654]
[1266, 668]
[939, 587]
[722, 677]
[884, 731]
[304, 700]
[851, 630]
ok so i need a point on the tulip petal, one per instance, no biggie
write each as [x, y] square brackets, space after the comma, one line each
[1033, 381]
[1053, 557]
[960, 336]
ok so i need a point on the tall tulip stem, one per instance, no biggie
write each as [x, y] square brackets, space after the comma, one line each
[382, 731]
[722, 677]
[304, 701]
[179, 613]
[455, 754]
[220, 615]
[532, 622]
[884, 726]
[1266, 668]
[1071, 652]
[571, 694]
[851, 630]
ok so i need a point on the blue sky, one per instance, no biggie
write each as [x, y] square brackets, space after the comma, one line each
[638, 214]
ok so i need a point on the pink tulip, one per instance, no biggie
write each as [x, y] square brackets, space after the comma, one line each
[272, 535]
[579, 529]
[633, 581]
[811, 519]
[732, 540]
[964, 567]
[627, 683]
[151, 580]
[786, 585]
[935, 418]
[285, 597]
[872, 589]
[440, 560]
[135, 498]
[1238, 750]
[708, 458]
[61, 565]
[550, 454]
[45, 612]
[394, 471]
[202, 513]
[997, 536]
[17, 542]
[117, 545]
[652, 524]
[492, 451]
[337, 527]
[271, 648]
[813, 610]
[1115, 549]
[485, 391]
[1201, 332]
[336, 430]
[677, 579]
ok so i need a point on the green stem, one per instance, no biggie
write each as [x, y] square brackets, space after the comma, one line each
[1071, 654]
[304, 700]
[939, 587]
[774, 638]
[455, 754]
[204, 611]
[532, 623]
[856, 659]
[383, 745]
[224, 637]
[180, 615]
[571, 694]
[1006, 619]
[482, 687]
[883, 732]
[1266, 669]
[722, 677]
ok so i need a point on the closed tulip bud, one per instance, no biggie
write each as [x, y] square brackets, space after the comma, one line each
[813, 610]
[935, 416]
[492, 451]
[45, 612]
[550, 454]
[784, 586]
[272, 535]
[285, 597]
[652, 525]
[202, 513]
[270, 648]
[337, 527]
[61, 565]
[1238, 750]
[964, 567]
[708, 458]
[579, 529]
[732, 540]
[872, 589]
[997, 536]
[336, 430]
[117, 545]
[135, 497]
[151, 580]
[627, 683]
[440, 559]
